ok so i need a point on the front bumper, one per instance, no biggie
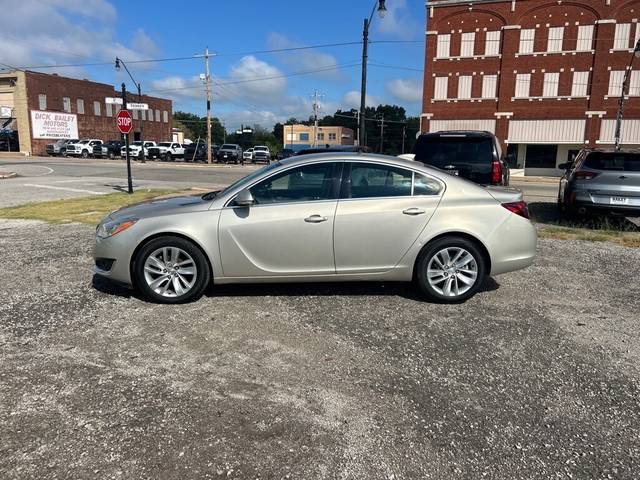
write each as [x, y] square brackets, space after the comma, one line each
[117, 252]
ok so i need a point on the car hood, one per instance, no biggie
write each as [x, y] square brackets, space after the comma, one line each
[164, 206]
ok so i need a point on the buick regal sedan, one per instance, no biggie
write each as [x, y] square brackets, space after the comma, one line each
[319, 218]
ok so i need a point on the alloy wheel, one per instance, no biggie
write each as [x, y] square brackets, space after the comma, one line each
[170, 272]
[452, 271]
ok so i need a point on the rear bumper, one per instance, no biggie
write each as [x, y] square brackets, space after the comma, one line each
[514, 245]
[601, 203]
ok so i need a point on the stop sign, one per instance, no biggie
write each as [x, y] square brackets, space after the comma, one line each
[124, 121]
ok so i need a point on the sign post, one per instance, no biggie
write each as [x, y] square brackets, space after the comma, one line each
[125, 125]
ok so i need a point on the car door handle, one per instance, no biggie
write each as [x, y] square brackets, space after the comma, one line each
[315, 219]
[413, 211]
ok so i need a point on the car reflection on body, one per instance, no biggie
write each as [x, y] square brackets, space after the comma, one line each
[324, 217]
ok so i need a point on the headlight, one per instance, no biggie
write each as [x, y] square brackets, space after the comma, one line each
[110, 228]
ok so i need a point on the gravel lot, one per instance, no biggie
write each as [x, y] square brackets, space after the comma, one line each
[536, 377]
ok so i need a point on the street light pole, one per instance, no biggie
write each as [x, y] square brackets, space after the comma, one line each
[119, 62]
[382, 10]
[625, 82]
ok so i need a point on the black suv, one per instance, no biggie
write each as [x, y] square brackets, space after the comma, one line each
[473, 155]
[110, 149]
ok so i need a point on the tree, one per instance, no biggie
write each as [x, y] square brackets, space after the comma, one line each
[195, 127]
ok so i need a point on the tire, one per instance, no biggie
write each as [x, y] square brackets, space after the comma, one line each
[442, 287]
[85, 154]
[167, 157]
[111, 156]
[189, 257]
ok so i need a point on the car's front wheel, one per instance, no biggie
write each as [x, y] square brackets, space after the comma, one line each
[451, 269]
[85, 154]
[171, 270]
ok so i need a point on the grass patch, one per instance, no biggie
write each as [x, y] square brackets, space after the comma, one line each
[83, 210]
[625, 239]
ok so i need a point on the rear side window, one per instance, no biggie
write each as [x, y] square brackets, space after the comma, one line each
[440, 151]
[370, 181]
[620, 161]
[423, 185]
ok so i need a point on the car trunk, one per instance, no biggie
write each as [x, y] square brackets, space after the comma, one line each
[505, 194]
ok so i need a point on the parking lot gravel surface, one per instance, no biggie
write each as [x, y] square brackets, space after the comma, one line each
[535, 377]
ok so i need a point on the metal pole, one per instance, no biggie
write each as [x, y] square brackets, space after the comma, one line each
[620, 114]
[404, 134]
[382, 133]
[141, 125]
[208, 86]
[363, 88]
[126, 142]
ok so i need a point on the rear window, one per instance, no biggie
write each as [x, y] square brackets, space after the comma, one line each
[622, 162]
[440, 151]
[228, 147]
[260, 149]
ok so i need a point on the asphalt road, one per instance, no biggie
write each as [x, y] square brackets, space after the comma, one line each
[42, 178]
[537, 377]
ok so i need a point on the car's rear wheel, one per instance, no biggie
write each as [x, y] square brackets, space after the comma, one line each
[451, 269]
[167, 156]
[171, 270]
[85, 153]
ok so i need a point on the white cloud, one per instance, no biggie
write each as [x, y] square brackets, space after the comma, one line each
[405, 89]
[143, 43]
[304, 60]
[398, 21]
[352, 100]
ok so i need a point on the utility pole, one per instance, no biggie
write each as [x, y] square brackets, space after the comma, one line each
[625, 81]
[404, 135]
[316, 106]
[224, 132]
[358, 128]
[381, 133]
[208, 87]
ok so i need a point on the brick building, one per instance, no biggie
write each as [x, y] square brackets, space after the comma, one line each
[544, 76]
[42, 107]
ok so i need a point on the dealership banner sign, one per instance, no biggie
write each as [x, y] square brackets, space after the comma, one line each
[54, 124]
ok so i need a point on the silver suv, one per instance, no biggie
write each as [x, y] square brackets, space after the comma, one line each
[601, 180]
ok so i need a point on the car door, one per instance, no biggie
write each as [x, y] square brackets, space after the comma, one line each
[381, 212]
[289, 229]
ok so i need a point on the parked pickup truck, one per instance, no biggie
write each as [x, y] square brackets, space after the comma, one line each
[109, 149]
[83, 148]
[167, 151]
[135, 149]
[60, 147]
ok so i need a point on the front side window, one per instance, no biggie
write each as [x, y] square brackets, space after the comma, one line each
[303, 184]
[371, 181]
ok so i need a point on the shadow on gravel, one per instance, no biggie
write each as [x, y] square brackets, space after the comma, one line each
[546, 212]
[399, 289]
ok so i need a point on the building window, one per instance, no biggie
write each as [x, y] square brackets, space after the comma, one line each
[441, 86]
[585, 38]
[527, 36]
[66, 104]
[464, 86]
[332, 136]
[96, 109]
[634, 84]
[80, 105]
[550, 85]
[134, 114]
[489, 85]
[157, 115]
[321, 136]
[304, 137]
[523, 81]
[541, 156]
[621, 38]
[492, 43]
[42, 101]
[616, 77]
[165, 116]
[580, 84]
[637, 37]
[554, 43]
[444, 46]
[108, 108]
[291, 137]
[467, 45]
[117, 107]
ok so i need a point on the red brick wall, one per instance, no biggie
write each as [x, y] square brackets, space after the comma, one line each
[470, 15]
[90, 125]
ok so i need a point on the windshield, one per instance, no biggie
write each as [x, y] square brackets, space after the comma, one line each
[619, 161]
[136, 144]
[84, 142]
[164, 144]
[228, 147]
[261, 149]
[248, 179]
[440, 151]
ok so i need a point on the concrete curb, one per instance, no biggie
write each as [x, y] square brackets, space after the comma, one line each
[554, 180]
[4, 175]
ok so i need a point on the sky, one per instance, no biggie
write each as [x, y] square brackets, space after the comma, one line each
[249, 87]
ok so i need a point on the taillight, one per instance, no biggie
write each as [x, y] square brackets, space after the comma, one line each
[585, 175]
[519, 208]
[496, 173]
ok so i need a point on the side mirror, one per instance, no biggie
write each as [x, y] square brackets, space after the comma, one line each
[244, 198]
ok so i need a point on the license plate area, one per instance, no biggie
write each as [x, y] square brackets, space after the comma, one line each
[618, 201]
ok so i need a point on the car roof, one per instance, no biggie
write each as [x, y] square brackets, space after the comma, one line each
[613, 150]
